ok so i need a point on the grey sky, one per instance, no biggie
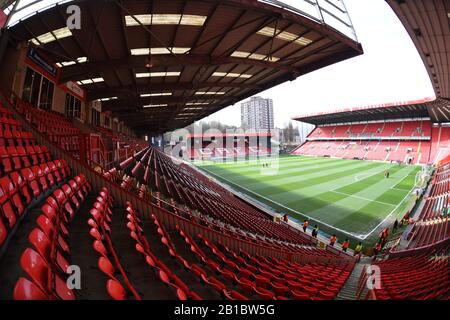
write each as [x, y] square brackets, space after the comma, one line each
[390, 70]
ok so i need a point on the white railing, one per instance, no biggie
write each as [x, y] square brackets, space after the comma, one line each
[333, 13]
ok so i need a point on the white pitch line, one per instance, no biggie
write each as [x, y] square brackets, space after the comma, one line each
[390, 214]
[362, 198]
[365, 176]
[398, 189]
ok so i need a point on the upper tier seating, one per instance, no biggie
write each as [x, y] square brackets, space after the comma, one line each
[126, 145]
[237, 152]
[26, 172]
[374, 141]
[55, 126]
[378, 130]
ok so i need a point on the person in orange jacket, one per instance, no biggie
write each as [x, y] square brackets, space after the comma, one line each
[345, 245]
[333, 240]
[305, 225]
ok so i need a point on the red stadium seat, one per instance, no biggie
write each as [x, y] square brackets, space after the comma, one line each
[40, 177]
[115, 290]
[300, 295]
[44, 247]
[100, 248]
[3, 232]
[264, 293]
[6, 160]
[13, 194]
[22, 185]
[6, 206]
[47, 173]
[27, 290]
[29, 176]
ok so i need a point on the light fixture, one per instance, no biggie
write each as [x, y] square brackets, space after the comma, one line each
[52, 36]
[197, 103]
[232, 75]
[254, 56]
[107, 99]
[155, 105]
[158, 51]
[157, 74]
[210, 93]
[69, 63]
[162, 94]
[90, 81]
[165, 19]
[284, 35]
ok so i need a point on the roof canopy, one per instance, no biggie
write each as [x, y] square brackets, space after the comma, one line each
[160, 65]
[438, 110]
[427, 22]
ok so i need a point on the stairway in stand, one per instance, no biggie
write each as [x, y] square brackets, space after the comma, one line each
[348, 291]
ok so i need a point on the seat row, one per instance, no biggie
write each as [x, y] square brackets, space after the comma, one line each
[184, 185]
[15, 158]
[246, 276]
[108, 261]
[16, 138]
[55, 126]
[422, 277]
[19, 188]
[46, 261]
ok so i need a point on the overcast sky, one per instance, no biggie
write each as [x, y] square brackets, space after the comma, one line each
[390, 70]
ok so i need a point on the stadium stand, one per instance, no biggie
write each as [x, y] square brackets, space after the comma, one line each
[418, 276]
[215, 146]
[58, 128]
[142, 224]
[385, 141]
[184, 185]
[432, 224]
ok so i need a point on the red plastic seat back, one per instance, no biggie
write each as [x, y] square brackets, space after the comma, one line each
[27, 290]
[37, 171]
[60, 197]
[41, 243]
[3, 232]
[106, 266]
[49, 211]
[28, 174]
[36, 267]
[46, 226]
[17, 179]
[115, 290]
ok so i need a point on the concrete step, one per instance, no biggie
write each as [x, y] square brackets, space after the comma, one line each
[348, 291]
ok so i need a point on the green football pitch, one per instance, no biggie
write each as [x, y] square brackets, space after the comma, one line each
[349, 197]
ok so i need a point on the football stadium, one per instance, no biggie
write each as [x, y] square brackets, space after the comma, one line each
[96, 203]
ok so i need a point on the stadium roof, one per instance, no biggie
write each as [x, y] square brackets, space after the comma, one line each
[427, 22]
[438, 110]
[160, 65]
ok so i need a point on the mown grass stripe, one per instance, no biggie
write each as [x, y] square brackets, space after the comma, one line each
[352, 195]
[301, 173]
